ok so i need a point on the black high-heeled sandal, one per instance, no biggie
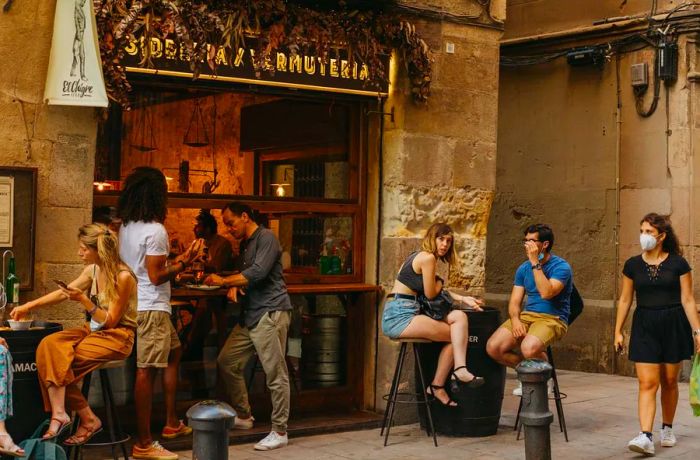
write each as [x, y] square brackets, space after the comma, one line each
[450, 402]
[475, 382]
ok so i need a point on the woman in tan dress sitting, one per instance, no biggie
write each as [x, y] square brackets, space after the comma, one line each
[107, 291]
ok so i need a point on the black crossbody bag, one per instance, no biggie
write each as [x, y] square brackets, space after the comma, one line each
[437, 308]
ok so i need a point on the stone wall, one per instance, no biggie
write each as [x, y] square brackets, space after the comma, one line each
[557, 162]
[439, 162]
[59, 141]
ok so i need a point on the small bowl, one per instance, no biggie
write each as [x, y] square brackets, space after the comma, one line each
[22, 325]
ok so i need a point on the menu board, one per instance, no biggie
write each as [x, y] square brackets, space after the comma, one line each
[7, 195]
[18, 192]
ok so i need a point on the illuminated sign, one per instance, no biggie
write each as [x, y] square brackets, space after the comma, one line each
[336, 74]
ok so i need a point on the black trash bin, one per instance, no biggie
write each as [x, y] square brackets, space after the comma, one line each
[479, 409]
[28, 406]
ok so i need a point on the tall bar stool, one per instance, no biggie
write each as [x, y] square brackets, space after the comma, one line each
[395, 396]
[575, 310]
[558, 396]
[117, 437]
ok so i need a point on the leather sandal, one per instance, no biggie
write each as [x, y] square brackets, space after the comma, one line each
[50, 434]
[475, 381]
[10, 449]
[80, 439]
[450, 402]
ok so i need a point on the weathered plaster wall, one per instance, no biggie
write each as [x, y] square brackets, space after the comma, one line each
[557, 163]
[60, 141]
[439, 162]
[535, 17]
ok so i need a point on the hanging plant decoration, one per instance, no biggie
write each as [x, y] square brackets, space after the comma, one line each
[277, 24]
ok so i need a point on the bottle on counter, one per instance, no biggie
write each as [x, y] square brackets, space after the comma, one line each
[11, 287]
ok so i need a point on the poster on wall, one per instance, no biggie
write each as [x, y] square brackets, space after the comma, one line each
[7, 194]
[75, 68]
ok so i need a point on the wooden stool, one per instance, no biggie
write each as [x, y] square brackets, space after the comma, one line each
[116, 436]
[394, 396]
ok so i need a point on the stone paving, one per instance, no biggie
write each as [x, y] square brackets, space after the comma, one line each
[601, 415]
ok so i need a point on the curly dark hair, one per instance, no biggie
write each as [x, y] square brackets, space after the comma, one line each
[663, 225]
[207, 220]
[144, 196]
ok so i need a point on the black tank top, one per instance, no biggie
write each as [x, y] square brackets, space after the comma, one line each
[409, 277]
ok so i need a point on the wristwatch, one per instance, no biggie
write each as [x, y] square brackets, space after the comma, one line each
[696, 332]
[537, 266]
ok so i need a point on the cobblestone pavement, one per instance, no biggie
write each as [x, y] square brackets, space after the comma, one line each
[601, 415]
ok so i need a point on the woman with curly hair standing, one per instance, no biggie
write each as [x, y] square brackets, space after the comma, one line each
[144, 246]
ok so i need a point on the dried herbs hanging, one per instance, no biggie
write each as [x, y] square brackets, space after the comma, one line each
[277, 25]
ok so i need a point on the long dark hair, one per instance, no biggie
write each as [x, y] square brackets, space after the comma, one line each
[663, 225]
[144, 196]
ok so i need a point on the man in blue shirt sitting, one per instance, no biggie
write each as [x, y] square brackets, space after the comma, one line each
[547, 280]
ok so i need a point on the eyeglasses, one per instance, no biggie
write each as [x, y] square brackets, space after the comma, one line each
[525, 240]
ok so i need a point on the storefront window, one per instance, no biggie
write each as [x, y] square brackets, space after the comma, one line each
[296, 161]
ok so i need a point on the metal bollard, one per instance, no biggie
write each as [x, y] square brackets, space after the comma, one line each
[535, 414]
[210, 422]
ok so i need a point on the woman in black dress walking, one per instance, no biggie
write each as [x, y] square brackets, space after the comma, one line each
[661, 335]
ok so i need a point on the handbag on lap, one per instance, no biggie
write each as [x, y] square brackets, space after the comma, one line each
[438, 307]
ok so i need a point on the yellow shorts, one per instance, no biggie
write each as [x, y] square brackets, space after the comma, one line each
[155, 338]
[547, 328]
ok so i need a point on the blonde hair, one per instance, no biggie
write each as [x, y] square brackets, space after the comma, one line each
[100, 238]
[429, 245]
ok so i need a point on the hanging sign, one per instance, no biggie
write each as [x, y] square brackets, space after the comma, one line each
[7, 193]
[283, 69]
[75, 68]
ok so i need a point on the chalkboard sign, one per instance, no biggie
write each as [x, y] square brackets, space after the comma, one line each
[24, 222]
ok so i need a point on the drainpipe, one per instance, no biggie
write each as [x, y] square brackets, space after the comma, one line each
[380, 172]
[693, 78]
[618, 144]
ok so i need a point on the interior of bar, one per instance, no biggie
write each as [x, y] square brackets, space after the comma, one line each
[299, 160]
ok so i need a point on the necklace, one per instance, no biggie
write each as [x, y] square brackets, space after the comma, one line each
[653, 271]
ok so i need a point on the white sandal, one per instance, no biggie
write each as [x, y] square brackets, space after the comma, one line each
[11, 449]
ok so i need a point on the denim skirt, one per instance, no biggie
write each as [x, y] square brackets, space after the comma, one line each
[397, 314]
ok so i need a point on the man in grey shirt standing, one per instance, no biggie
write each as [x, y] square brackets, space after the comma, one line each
[264, 322]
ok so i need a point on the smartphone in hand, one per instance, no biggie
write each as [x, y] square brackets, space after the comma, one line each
[61, 283]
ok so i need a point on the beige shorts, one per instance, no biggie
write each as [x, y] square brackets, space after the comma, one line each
[547, 328]
[155, 339]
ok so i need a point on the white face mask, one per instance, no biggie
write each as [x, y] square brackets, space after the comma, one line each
[648, 242]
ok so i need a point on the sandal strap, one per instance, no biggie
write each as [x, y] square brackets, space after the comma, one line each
[436, 387]
[458, 368]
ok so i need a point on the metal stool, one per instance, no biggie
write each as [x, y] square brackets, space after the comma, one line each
[558, 396]
[114, 428]
[393, 397]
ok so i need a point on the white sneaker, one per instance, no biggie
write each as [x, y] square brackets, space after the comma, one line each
[272, 441]
[668, 439]
[243, 423]
[518, 391]
[641, 444]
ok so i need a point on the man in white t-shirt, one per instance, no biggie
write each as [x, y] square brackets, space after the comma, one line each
[144, 246]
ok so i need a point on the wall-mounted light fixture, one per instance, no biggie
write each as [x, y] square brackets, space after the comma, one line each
[280, 187]
[101, 185]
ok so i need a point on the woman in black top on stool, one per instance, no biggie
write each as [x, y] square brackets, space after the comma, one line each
[402, 318]
[661, 335]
